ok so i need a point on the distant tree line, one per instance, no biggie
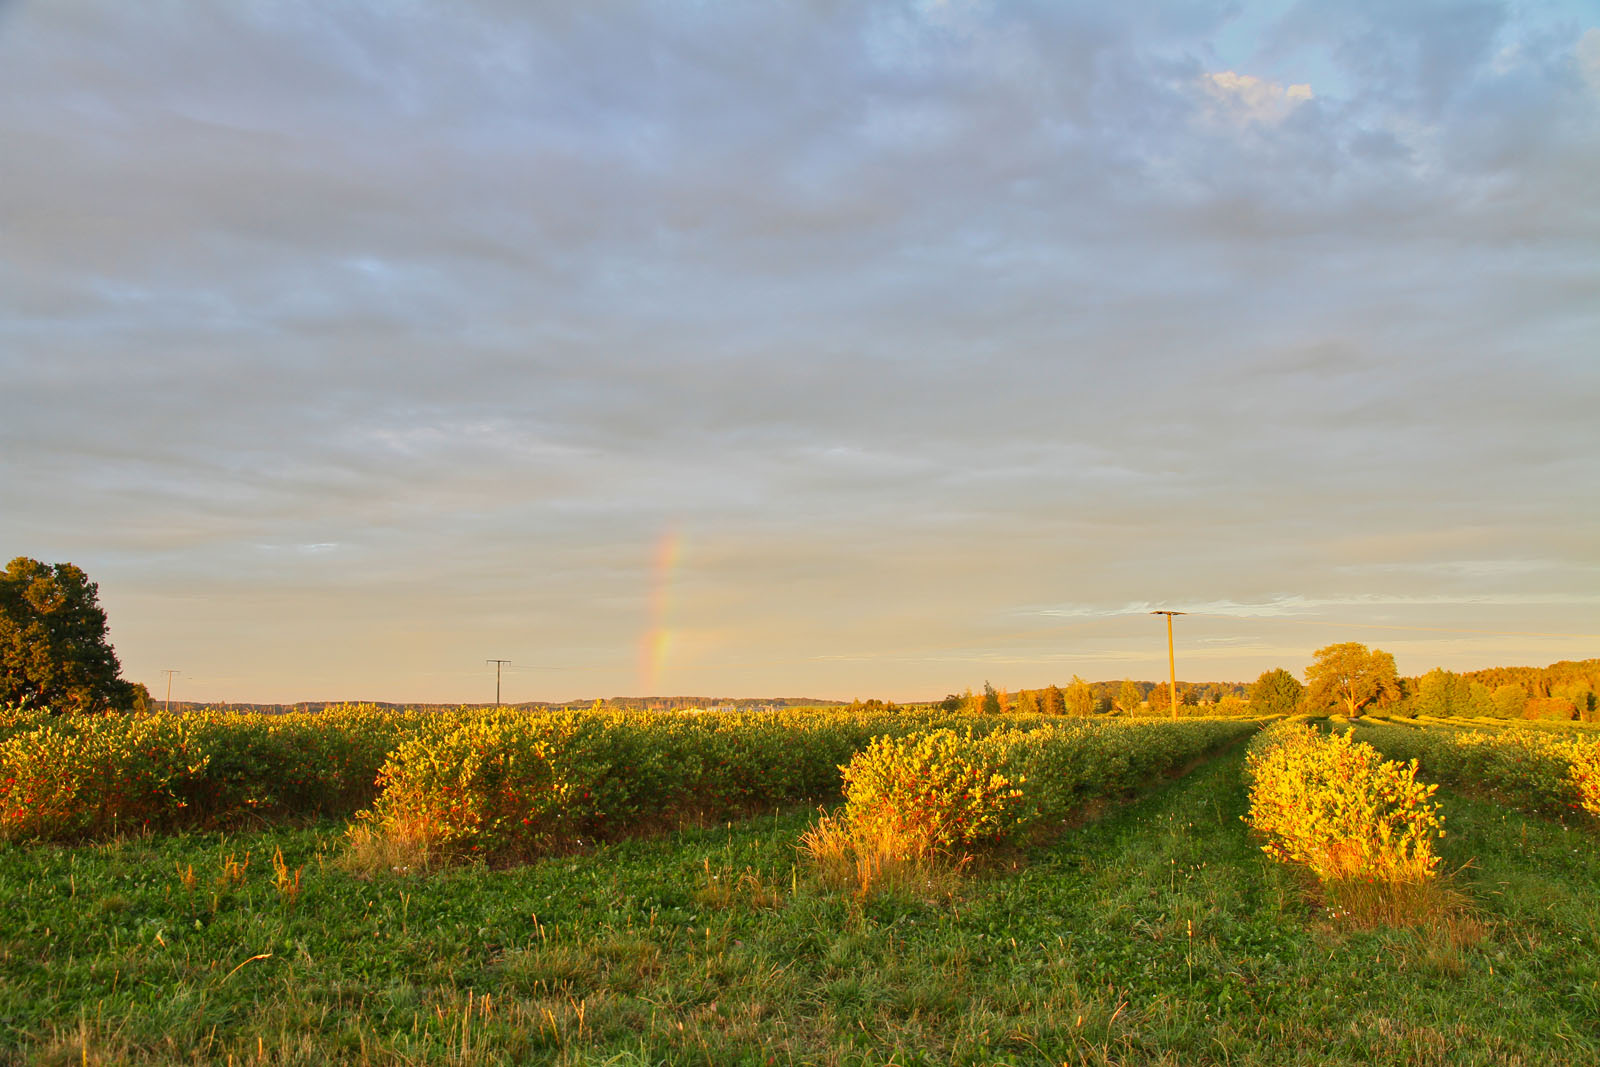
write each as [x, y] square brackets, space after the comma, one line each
[54, 652]
[1346, 678]
[1121, 697]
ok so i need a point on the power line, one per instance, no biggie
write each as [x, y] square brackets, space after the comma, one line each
[498, 663]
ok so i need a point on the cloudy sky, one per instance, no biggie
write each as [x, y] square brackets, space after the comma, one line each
[824, 348]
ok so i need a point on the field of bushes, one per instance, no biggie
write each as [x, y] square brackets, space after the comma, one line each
[499, 784]
[368, 886]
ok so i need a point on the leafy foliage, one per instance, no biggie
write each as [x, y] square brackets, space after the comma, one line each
[53, 647]
[86, 776]
[1276, 692]
[1531, 770]
[1335, 806]
[1079, 698]
[1348, 677]
[515, 785]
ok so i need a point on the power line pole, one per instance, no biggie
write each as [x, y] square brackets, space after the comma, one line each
[498, 663]
[169, 673]
[1172, 663]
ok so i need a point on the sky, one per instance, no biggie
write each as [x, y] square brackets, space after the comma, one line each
[806, 349]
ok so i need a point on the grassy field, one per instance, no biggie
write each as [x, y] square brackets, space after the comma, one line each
[1156, 934]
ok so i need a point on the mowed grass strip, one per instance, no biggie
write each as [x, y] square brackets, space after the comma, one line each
[1158, 934]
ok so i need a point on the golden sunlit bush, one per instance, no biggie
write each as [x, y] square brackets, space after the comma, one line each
[938, 791]
[1585, 775]
[934, 799]
[1336, 807]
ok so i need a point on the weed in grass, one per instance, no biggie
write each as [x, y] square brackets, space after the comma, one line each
[1425, 904]
[369, 852]
[287, 883]
[232, 872]
[868, 861]
[749, 889]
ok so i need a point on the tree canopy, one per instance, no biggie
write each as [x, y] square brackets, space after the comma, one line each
[1079, 699]
[1349, 677]
[1276, 692]
[1443, 694]
[53, 647]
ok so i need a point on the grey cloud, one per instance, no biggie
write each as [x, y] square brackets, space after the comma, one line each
[487, 297]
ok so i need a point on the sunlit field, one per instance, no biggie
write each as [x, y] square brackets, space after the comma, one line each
[1143, 923]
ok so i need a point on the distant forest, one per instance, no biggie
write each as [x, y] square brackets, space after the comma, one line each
[1569, 689]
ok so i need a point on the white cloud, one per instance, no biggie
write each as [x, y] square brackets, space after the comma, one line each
[1245, 98]
[1282, 606]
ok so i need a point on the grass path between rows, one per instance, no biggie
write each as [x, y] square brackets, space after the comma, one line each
[1156, 935]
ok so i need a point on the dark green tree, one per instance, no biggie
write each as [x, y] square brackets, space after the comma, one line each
[991, 700]
[53, 647]
[1276, 692]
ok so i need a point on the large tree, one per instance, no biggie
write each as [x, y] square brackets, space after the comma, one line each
[53, 647]
[1276, 692]
[1349, 677]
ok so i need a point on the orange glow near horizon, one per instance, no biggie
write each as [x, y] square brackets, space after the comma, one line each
[658, 637]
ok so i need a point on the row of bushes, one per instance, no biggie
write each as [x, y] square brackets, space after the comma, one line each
[1571, 726]
[1335, 806]
[79, 776]
[467, 778]
[951, 792]
[1530, 770]
[509, 784]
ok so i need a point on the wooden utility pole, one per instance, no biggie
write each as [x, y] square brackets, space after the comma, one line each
[169, 672]
[1172, 662]
[498, 663]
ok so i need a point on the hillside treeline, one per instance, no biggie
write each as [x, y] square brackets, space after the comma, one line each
[1569, 689]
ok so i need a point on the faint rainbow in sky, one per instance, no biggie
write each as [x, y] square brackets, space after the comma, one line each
[657, 640]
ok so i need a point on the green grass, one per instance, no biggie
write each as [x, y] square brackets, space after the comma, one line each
[1156, 935]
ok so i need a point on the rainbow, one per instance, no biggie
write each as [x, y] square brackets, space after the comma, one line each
[657, 639]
